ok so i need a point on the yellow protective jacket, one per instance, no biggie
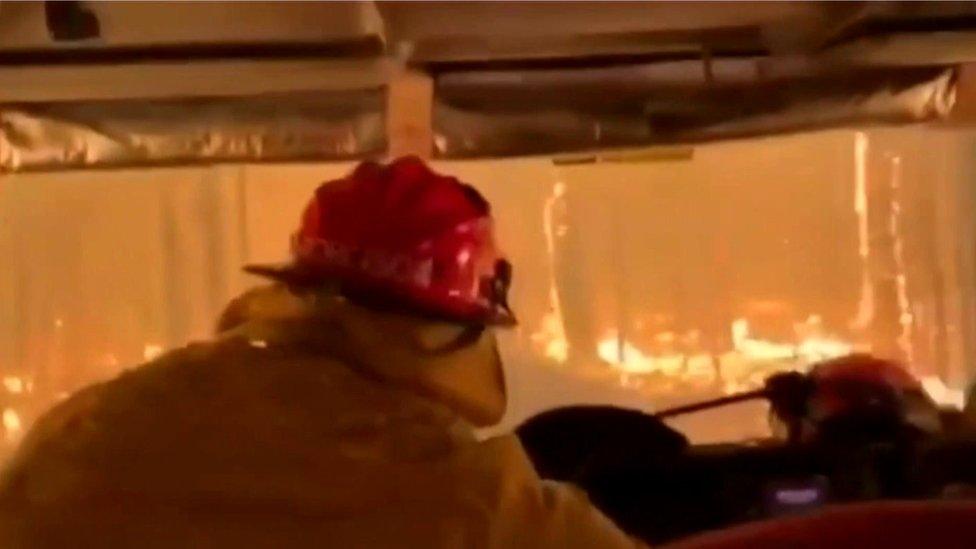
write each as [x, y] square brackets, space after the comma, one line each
[343, 428]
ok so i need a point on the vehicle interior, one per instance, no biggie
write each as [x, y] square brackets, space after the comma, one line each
[698, 199]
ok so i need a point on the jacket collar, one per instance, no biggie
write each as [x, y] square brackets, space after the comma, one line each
[419, 355]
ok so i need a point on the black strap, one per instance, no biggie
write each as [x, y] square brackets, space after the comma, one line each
[468, 337]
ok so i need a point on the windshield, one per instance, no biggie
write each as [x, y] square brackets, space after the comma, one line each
[644, 280]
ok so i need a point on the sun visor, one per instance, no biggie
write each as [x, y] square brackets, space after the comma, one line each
[307, 125]
[479, 113]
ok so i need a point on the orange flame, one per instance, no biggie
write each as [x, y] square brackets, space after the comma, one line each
[552, 332]
[151, 351]
[738, 366]
[12, 424]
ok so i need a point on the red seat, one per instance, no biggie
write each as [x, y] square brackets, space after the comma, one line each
[883, 525]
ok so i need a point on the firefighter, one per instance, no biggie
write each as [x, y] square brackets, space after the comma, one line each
[335, 408]
[852, 399]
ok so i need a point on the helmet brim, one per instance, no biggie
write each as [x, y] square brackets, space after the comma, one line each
[291, 274]
[297, 276]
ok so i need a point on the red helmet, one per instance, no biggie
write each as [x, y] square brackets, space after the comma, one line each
[866, 369]
[405, 234]
[862, 383]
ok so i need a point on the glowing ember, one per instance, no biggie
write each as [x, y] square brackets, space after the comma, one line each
[151, 351]
[552, 338]
[758, 349]
[258, 343]
[742, 367]
[624, 356]
[628, 358]
[701, 367]
[13, 384]
[817, 349]
[11, 422]
[943, 395]
[812, 347]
